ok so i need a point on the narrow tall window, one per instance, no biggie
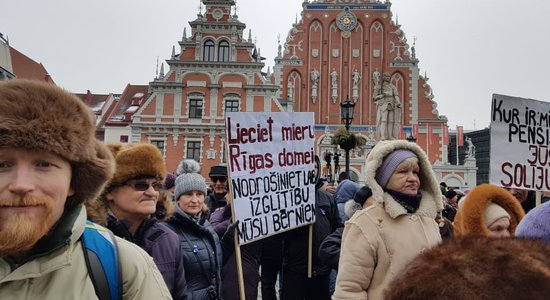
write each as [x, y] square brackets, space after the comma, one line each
[223, 51]
[208, 51]
[194, 150]
[195, 108]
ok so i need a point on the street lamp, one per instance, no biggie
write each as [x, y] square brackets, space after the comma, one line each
[346, 111]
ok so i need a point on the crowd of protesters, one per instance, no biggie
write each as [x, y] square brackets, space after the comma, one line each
[401, 235]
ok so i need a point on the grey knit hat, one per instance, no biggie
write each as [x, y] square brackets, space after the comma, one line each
[390, 163]
[189, 178]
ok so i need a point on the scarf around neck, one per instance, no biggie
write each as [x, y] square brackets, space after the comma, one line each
[409, 202]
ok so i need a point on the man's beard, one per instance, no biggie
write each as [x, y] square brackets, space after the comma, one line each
[19, 232]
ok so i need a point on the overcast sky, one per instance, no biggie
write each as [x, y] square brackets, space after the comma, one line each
[470, 49]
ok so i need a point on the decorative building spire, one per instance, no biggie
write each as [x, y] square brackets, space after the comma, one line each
[161, 75]
[413, 49]
[250, 35]
[279, 47]
[173, 51]
[157, 69]
[397, 19]
[200, 8]
[184, 34]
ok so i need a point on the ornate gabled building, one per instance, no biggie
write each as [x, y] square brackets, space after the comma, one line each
[338, 50]
[14, 64]
[215, 69]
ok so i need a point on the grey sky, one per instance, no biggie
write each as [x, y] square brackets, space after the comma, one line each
[470, 49]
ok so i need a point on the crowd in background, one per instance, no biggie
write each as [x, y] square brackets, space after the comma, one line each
[401, 235]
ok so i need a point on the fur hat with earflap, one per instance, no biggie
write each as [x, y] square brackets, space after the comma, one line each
[189, 178]
[42, 117]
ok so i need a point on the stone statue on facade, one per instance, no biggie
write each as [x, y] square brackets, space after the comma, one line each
[290, 90]
[471, 148]
[355, 76]
[388, 110]
[334, 81]
[315, 74]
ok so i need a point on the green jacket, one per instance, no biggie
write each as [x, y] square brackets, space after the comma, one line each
[57, 269]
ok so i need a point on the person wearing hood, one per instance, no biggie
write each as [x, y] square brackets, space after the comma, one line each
[131, 207]
[488, 210]
[345, 191]
[536, 224]
[200, 245]
[381, 240]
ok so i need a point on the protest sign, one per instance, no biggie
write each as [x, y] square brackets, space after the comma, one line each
[520, 135]
[271, 162]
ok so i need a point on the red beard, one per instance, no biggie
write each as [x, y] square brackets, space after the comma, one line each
[19, 232]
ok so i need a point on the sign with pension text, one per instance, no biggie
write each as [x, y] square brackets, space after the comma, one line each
[520, 139]
[271, 162]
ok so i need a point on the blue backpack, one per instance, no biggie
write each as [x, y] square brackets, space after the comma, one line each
[101, 255]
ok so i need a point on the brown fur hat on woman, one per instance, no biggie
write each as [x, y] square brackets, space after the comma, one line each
[469, 219]
[41, 116]
[473, 267]
[133, 161]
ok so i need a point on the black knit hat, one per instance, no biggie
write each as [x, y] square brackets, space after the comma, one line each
[450, 194]
[362, 195]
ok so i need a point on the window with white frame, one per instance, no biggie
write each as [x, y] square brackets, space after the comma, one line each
[223, 51]
[194, 150]
[231, 105]
[208, 50]
[160, 144]
[195, 107]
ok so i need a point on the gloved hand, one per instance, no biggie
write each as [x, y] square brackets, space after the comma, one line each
[227, 241]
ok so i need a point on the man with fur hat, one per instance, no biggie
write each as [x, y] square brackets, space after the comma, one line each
[133, 210]
[381, 240]
[50, 164]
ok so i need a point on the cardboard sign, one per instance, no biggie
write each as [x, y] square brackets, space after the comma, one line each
[520, 135]
[271, 162]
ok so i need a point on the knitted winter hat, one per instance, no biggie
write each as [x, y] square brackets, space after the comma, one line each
[493, 212]
[536, 223]
[136, 161]
[390, 163]
[190, 179]
[40, 116]
[170, 181]
[362, 195]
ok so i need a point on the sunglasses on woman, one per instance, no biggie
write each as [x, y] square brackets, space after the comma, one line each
[144, 185]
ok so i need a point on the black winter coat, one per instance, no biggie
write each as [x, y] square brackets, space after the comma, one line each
[327, 221]
[202, 255]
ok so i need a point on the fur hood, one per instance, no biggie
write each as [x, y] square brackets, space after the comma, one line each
[429, 187]
[469, 219]
[476, 268]
[40, 116]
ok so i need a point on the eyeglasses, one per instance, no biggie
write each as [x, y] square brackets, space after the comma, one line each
[218, 178]
[144, 185]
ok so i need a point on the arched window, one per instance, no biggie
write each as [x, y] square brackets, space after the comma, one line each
[208, 51]
[223, 51]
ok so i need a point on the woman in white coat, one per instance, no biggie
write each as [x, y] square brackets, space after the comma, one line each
[379, 241]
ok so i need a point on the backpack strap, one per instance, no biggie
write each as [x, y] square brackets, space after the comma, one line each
[101, 255]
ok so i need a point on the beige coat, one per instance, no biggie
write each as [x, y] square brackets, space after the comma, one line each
[62, 274]
[379, 241]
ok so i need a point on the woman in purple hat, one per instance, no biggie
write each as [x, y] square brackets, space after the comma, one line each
[381, 240]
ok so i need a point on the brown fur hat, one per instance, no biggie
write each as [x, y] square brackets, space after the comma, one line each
[40, 116]
[136, 161]
[469, 219]
[476, 268]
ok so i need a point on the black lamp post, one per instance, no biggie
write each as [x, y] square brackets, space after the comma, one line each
[346, 110]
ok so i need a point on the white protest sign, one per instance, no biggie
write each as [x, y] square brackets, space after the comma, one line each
[271, 162]
[520, 135]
